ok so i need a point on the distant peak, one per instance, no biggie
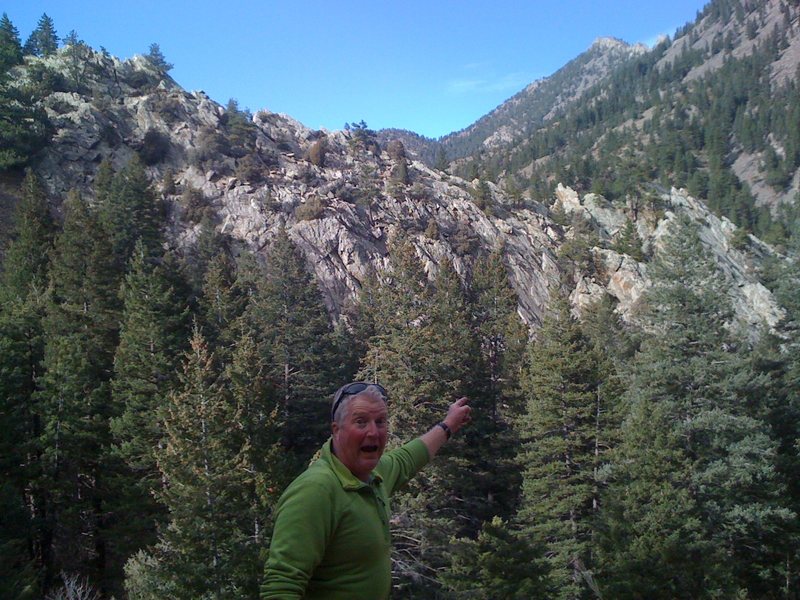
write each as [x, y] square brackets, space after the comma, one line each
[609, 42]
[612, 43]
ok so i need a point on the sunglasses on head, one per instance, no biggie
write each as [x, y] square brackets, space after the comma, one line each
[351, 389]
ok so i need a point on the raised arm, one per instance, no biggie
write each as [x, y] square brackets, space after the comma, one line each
[457, 416]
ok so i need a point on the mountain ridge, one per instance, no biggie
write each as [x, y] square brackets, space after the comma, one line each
[536, 102]
[343, 195]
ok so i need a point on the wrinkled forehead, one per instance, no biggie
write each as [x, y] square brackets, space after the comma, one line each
[367, 403]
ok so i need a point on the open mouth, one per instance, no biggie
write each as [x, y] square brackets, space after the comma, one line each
[369, 448]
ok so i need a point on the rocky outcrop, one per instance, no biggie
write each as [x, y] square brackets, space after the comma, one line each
[626, 279]
[342, 197]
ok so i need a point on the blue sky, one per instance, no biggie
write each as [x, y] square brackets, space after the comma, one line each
[427, 66]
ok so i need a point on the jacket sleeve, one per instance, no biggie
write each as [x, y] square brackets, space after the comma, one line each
[399, 465]
[305, 520]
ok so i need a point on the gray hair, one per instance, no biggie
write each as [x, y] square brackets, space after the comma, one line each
[343, 409]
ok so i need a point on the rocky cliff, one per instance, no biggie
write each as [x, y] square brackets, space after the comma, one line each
[342, 196]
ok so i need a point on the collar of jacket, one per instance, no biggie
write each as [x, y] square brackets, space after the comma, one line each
[348, 481]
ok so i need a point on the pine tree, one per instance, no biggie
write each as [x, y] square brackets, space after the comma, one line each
[567, 437]
[153, 333]
[209, 244]
[241, 131]
[22, 289]
[223, 300]
[24, 126]
[43, 41]
[296, 336]
[697, 502]
[26, 258]
[425, 353]
[452, 362]
[258, 430]
[502, 333]
[129, 211]
[74, 396]
[395, 310]
[208, 549]
[397, 315]
[499, 563]
[103, 180]
[10, 47]
[628, 242]
[502, 336]
[157, 59]
[778, 356]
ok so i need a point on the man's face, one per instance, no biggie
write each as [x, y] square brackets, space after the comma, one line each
[360, 438]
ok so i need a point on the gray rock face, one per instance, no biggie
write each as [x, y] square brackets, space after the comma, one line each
[627, 279]
[342, 211]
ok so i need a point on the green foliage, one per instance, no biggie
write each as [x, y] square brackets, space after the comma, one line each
[575, 255]
[362, 138]
[43, 41]
[79, 62]
[129, 212]
[397, 152]
[209, 152]
[157, 59]
[696, 483]
[147, 579]
[22, 288]
[153, 330]
[502, 337]
[73, 395]
[24, 127]
[26, 257]
[223, 465]
[463, 239]
[250, 168]
[628, 242]
[740, 239]
[421, 345]
[208, 546]
[155, 147]
[442, 163]
[299, 350]
[223, 299]
[240, 130]
[10, 47]
[18, 575]
[500, 563]
[569, 424]
[401, 327]
[195, 205]
[168, 184]
[482, 196]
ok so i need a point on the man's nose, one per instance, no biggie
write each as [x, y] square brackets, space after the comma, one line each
[372, 428]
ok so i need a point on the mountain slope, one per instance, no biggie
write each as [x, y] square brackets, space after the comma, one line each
[715, 110]
[341, 195]
[523, 113]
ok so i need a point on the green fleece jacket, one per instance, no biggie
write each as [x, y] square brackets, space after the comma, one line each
[331, 536]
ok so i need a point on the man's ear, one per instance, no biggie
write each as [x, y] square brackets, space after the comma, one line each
[334, 428]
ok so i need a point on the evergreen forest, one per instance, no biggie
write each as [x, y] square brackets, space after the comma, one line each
[155, 403]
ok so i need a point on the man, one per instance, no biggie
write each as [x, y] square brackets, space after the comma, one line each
[331, 537]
